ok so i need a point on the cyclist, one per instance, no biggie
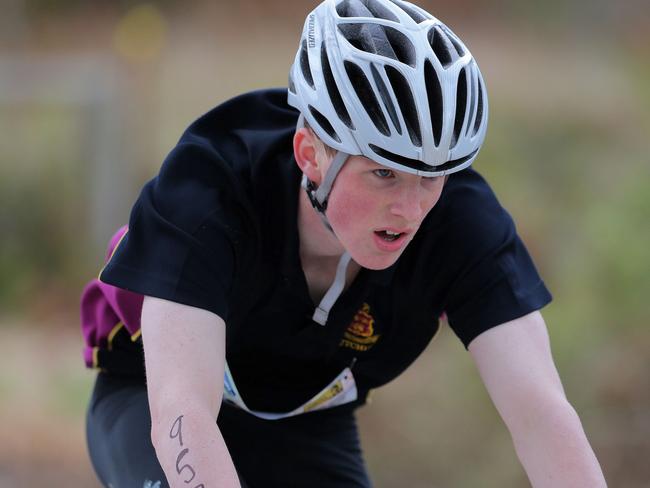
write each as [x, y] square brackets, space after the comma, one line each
[296, 250]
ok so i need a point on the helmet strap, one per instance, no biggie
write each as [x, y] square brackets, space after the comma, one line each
[319, 195]
[322, 312]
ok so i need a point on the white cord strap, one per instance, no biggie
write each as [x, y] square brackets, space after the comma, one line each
[323, 310]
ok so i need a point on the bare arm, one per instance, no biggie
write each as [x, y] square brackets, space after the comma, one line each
[184, 358]
[515, 363]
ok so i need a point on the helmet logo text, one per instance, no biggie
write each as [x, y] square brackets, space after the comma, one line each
[311, 37]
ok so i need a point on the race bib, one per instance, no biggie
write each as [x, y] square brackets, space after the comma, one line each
[342, 390]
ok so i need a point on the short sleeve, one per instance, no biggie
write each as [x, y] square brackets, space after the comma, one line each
[182, 230]
[493, 278]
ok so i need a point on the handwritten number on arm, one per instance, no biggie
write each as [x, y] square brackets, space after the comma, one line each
[184, 466]
[177, 426]
[177, 432]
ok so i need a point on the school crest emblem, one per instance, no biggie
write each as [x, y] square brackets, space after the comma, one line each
[360, 334]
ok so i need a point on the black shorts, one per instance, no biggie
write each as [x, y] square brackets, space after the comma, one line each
[314, 450]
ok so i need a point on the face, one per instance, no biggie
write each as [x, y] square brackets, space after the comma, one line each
[375, 211]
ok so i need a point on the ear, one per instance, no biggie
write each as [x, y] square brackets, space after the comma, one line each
[304, 150]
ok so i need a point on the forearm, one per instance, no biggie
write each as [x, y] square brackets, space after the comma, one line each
[192, 451]
[553, 449]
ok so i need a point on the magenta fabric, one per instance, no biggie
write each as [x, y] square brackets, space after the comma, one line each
[104, 306]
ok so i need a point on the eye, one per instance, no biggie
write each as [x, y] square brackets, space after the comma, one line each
[384, 173]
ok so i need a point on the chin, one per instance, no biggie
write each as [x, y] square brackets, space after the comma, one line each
[377, 262]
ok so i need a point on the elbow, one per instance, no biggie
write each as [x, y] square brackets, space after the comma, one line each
[160, 425]
[159, 417]
[551, 424]
[553, 448]
[536, 415]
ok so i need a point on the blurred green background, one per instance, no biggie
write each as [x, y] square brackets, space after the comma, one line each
[94, 94]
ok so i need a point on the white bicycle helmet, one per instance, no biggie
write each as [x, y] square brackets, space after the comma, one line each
[387, 80]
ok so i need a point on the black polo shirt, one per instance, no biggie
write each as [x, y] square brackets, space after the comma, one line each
[217, 229]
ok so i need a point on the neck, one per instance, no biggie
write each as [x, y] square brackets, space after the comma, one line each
[320, 251]
[316, 241]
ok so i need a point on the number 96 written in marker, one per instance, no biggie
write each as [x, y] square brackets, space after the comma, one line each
[176, 432]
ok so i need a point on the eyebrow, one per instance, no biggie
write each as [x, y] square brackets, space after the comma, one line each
[370, 163]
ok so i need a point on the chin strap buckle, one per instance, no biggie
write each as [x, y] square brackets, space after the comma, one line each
[311, 190]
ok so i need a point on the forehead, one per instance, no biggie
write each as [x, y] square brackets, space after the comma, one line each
[361, 162]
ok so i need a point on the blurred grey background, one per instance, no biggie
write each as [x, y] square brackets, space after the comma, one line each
[94, 94]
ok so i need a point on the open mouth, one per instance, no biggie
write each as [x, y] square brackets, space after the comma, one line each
[389, 236]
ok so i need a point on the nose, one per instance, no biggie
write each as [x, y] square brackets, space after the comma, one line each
[410, 202]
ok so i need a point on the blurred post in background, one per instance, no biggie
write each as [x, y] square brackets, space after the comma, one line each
[94, 94]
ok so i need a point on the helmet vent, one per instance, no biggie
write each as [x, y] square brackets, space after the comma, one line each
[479, 108]
[292, 85]
[472, 99]
[324, 124]
[402, 47]
[365, 8]
[385, 97]
[406, 103]
[367, 96]
[461, 105]
[401, 160]
[304, 64]
[454, 40]
[434, 95]
[419, 165]
[381, 40]
[412, 11]
[332, 89]
[442, 46]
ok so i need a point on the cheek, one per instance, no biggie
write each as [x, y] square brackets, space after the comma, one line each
[433, 198]
[350, 210]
